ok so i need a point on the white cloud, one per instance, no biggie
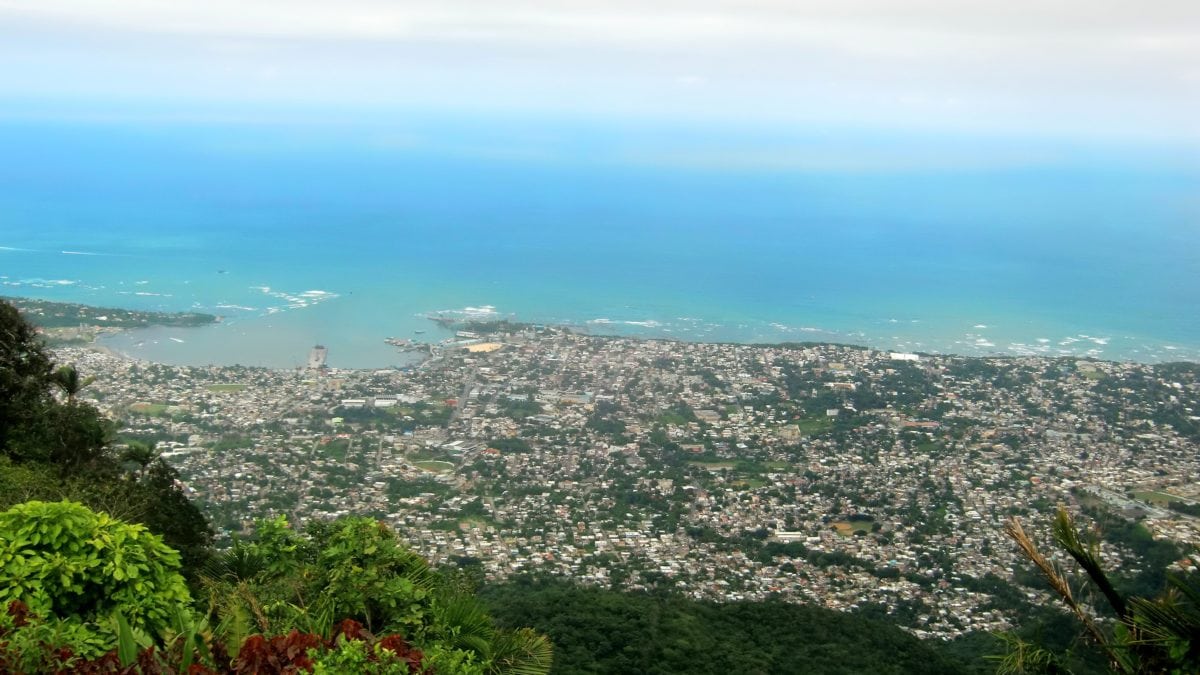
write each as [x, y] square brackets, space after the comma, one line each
[1084, 66]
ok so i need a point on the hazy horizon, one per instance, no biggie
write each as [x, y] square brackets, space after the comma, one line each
[1066, 69]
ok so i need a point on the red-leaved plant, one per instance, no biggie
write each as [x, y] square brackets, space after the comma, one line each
[278, 655]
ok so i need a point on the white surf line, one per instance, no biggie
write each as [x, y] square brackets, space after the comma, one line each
[95, 253]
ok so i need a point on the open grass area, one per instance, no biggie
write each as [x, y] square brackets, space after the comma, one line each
[751, 483]
[225, 388]
[814, 425]
[847, 528]
[1157, 498]
[335, 450]
[434, 466]
[475, 521]
[149, 409]
[712, 466]
[777, 465]
[927, 447]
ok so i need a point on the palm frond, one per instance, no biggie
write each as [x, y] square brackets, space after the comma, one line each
[1058, 582]
[468, 623]
[521, 652]
[1170, 623]
[1022, 658]
[240, 563]
[237, 623]
[1087, 554]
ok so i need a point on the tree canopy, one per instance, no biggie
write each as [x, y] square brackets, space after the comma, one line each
[602, 631]
[54, 447]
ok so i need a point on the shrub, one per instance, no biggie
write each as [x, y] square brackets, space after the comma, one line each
[68, 562]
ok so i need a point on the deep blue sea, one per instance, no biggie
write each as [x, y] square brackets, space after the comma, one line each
[309, 234]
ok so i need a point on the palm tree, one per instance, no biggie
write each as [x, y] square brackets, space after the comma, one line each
[143, 454]
[68, 380]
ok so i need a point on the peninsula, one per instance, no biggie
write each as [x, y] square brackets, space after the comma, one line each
[67, 323]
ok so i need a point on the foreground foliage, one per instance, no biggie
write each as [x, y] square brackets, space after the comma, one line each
[357, 568]
[54, 447]
[26, 647]
[86, 593]
[1159, 634]
[75, 568]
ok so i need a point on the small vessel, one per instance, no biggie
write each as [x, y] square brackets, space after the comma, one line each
[419, 332]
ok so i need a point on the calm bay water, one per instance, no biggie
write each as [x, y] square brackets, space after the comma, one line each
[302, 236]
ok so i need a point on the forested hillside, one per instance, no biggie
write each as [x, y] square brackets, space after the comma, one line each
[601, 631]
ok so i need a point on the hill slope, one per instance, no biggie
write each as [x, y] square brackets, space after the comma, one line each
[601, 631]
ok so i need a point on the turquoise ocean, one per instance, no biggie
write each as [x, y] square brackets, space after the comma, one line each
[323, 234]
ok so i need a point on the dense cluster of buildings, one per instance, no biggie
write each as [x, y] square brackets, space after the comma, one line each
[818, 473]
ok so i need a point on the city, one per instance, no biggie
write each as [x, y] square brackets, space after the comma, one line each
[827, 474]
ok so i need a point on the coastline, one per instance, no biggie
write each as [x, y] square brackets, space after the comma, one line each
[51, 314]
[698, 256]
[117, 340]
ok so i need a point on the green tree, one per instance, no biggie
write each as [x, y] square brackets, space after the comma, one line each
[139, 453]
[165, 509]
[24, 372]
[33, 425]
[51, 450]
[69, 381]
[72, 438]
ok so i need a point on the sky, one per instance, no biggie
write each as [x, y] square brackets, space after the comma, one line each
[1121, 70]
